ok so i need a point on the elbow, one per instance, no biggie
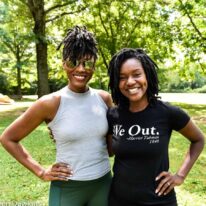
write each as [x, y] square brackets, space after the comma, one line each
[200, 143]
[109, 150]
[2, 140]
[111, 154]
[203, 142]
[5, 141]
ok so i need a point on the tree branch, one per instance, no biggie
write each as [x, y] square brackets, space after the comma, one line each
[102, 21]
[59, 6]
[31, 7]
[9, 46]
[24, 2]
[103, 57]
[191, 21]
[63, 14]
[202, 66]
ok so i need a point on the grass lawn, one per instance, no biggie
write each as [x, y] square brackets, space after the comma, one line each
[17, 185]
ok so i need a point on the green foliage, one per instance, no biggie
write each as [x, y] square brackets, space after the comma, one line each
[201, 90]
[173, 82]
[16, 44]
[170, 31]
[3, 83]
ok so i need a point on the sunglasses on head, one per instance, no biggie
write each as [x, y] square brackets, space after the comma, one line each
[87, 64]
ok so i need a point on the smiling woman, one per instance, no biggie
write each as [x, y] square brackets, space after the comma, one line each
[76, 117]
[133, 83]
[140, 128]
[79, 72]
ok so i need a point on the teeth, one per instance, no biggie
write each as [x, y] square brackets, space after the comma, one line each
[80, 77]
[133, 91]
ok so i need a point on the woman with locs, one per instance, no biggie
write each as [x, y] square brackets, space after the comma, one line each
[140, 128]
[76, 117]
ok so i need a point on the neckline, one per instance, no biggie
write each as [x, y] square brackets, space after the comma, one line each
[78, 94]
[139, 112]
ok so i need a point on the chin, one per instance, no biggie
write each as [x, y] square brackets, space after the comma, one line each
[136, 98]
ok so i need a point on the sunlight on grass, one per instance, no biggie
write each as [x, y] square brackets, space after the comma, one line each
[185, 198]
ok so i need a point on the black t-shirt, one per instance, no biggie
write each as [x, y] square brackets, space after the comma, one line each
[140, 144]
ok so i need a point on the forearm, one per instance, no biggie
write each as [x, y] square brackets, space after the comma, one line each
[22, 156]
[109, 145]
[190, 158]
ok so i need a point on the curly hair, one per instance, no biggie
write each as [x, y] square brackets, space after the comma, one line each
[148, 65]
[79, 43]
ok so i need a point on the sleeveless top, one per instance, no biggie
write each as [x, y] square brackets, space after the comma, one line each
[79, 129]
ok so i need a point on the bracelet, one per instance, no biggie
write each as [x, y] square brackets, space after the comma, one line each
[181, 176]
[41, 174]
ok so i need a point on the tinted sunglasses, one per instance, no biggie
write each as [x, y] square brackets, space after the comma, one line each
[87, 64]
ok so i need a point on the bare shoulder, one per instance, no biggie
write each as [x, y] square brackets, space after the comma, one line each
[48, 105]
[106, 97]
[49, 101]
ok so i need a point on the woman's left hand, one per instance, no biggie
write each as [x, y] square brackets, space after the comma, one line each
[168, 182]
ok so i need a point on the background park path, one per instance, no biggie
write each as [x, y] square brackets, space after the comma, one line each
[189, 98]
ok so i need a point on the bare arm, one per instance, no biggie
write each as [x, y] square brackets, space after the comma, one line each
[106, 97]
[39, 112]
[108, 100]
[109, 145]
[197, 139]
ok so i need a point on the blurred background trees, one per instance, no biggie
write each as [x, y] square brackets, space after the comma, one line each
[172, 32]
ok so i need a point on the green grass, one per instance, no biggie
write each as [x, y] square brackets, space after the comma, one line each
[193, 191]
[19, 185]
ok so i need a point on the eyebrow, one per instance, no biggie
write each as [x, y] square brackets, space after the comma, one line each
[136, 70]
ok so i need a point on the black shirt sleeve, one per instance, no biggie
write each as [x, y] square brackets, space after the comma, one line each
[178, 117]
[112, 118]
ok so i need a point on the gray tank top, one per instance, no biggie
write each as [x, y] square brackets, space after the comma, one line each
[79, 129]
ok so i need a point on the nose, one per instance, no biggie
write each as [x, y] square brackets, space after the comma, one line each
[130, 81]
[80, 67]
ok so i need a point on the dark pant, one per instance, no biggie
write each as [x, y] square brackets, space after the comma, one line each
[80, 193]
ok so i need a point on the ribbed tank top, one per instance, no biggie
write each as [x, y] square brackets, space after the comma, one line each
[79, 129]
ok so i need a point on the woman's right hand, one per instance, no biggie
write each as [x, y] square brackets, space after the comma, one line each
[58, 171]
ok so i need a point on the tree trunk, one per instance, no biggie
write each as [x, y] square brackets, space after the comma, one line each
[18, 67]
[42, 68]
[19, 94]
[37, 9]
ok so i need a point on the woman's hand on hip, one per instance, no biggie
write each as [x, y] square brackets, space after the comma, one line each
[57, 171]
[168, 182]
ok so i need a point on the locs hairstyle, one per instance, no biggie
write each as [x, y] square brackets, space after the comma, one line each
[78, 43]
[148, 65]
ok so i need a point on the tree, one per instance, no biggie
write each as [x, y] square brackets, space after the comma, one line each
[171, 31]
[118, 24]
[15, 41]
[189, 30]
[17, 45]
[40, 12]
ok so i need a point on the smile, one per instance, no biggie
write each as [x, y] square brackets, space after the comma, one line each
[133, 90]
[79, 77]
